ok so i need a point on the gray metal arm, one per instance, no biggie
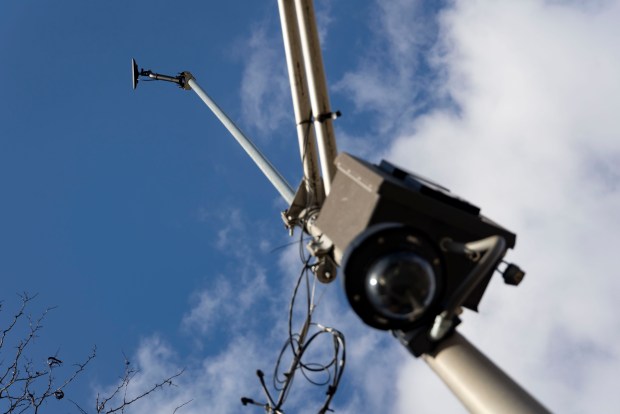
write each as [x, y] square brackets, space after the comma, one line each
[261, 161]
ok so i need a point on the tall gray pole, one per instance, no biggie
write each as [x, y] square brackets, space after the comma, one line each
[477, 382]
[317, 87]
[301, 101]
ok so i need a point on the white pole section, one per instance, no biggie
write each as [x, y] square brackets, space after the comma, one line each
[317, 86]
[301, 100]
[482, 387]
[261, 161]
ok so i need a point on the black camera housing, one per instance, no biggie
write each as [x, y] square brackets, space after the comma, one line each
[365, 195]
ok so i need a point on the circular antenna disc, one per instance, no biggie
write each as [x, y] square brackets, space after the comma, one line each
[134, 73]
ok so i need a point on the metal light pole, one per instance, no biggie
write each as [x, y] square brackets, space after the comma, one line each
[317, 86]
[301, 102]
[476, 381]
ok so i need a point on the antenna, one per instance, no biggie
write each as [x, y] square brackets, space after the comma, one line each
[180, 79]
[134, 73]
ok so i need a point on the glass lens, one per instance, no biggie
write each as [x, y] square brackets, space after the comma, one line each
[401, 285]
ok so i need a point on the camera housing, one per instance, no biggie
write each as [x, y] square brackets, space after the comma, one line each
[374, 211]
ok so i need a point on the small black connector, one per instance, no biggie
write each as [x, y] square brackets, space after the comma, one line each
[513, 275]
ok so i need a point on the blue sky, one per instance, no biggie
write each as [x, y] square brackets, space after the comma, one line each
[139, 216]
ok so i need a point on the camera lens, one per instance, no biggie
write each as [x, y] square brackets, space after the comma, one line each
[401, 285]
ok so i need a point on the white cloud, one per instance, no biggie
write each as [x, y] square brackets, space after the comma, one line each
[393, 81]
[231, 313]
[324, 20]
[265, 95]
[225, 300]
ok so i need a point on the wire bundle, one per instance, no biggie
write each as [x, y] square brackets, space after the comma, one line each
[326, 374]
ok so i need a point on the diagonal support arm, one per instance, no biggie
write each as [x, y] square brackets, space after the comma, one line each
[261, 161]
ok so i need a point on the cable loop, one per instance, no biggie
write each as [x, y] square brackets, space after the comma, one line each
[320, 374]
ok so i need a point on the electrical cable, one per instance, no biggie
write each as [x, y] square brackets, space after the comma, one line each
[324, 374]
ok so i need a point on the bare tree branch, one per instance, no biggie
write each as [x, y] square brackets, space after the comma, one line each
[181, 406]
[26, 386]
[123, 387]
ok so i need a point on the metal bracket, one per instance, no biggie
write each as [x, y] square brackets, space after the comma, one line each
[304, 216]
[186, 77]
